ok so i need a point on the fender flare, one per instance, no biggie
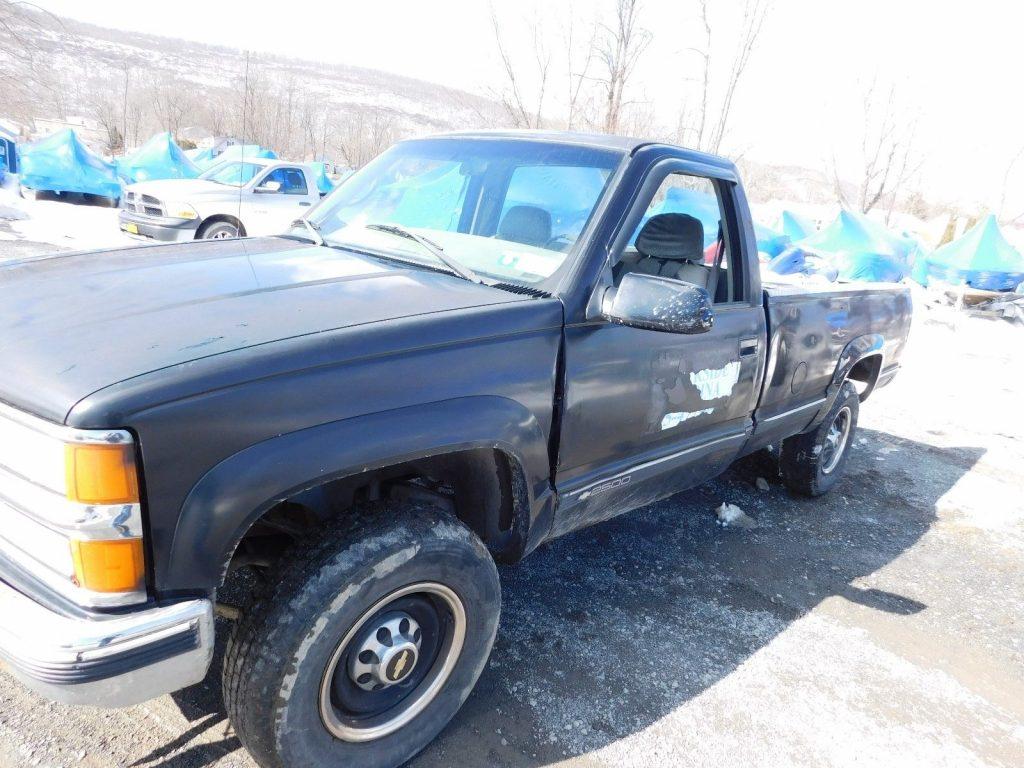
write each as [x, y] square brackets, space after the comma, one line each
[858, 349]
[231, 496]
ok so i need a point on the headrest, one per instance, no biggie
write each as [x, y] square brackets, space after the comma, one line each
[526, 224]
[672, 236]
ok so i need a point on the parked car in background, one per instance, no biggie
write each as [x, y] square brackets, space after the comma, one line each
[236, 198]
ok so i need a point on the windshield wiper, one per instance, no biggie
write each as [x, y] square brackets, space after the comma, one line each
[433, 248]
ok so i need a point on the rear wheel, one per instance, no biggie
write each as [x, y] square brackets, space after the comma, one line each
[811, 463]
[365, 643]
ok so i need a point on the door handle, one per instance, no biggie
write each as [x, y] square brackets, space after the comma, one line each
[748, 347]
[305, 205]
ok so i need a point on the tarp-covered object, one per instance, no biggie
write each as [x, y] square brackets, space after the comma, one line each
[769, 241]
[202, 158]
[796, 261]
[795, 226]
[244, 152]
[861, 249]
[323, 182]
[158, 158]
[61, 163]
[981, 258]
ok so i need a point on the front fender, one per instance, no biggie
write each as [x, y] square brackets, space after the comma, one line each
[231, 496]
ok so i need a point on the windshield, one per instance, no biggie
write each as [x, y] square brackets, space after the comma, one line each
[232, 174]
[511, 210]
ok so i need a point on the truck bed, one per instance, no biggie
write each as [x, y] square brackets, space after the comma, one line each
[809, 329]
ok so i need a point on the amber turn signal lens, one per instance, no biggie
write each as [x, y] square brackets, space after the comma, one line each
[109, 566]
[101, 474]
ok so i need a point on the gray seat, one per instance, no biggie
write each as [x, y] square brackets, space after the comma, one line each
[670, 245]
[526, 224]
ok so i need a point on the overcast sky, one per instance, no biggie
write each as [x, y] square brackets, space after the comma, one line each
[956, 66]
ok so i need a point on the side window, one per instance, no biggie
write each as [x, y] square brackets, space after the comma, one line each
[292, 181]
[682, 236]
[547, 206]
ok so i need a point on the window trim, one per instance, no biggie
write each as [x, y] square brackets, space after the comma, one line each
[645, 193]
[269, 171]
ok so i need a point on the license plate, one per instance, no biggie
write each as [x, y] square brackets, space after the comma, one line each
[131, 227]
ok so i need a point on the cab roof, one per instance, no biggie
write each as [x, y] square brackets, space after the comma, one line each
[627, 145]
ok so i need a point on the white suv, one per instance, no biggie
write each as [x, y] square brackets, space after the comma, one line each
[235, 198]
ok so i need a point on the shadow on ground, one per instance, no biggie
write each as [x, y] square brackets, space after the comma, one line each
[607, 630]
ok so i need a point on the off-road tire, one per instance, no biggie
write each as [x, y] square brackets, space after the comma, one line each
[803, 458]
[279, 650]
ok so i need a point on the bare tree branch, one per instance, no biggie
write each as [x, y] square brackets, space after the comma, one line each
[619, 49]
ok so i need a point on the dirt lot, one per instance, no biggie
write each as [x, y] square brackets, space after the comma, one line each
[880, 625]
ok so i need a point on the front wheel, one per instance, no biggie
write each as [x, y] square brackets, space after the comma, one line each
[219, 230]
[365, 643]
[811, 463]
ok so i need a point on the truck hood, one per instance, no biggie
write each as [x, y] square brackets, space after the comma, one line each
[181, 190]
[72, 324]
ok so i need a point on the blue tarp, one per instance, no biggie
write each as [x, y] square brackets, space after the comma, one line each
[158, 158]
[769, 241]
[795, 226]
[795, 260]
[61, 163]
[861, 249]
[981, 258]
[323, 183]
[244, 152]
[203, 158]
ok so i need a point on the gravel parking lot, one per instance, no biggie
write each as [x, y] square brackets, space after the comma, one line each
[880, 625]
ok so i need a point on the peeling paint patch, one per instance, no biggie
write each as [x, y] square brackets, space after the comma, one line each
[714, 383]
[675, 419]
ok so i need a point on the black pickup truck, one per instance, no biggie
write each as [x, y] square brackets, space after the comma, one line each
[476, 343]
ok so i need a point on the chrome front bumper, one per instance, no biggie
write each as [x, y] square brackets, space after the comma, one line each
[105, 661]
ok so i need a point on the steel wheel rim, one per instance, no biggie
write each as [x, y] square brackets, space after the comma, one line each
[223, 235]
[836, 438]
[352, 730]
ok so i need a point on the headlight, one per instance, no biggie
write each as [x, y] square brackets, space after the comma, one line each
[181, 211]
[69, 501]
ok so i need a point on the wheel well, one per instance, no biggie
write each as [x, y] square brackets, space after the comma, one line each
[484, 488]
[227, 217]
[866, 372]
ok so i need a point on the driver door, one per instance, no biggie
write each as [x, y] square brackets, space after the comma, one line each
[648, 413]
[276, 200]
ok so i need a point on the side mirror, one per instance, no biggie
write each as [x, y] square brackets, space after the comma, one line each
[658, 304]
[269, 186]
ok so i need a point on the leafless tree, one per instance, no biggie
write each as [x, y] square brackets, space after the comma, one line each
[364, 135]
[579, 59]
[171, 104]
[619, 47]
[19, 28]
[706, 124]
[523, 110]
[107, 109]
[887, 159]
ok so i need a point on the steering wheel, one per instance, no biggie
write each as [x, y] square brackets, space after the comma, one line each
[549, 245]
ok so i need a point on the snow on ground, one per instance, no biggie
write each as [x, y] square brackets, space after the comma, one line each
[73, 224]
